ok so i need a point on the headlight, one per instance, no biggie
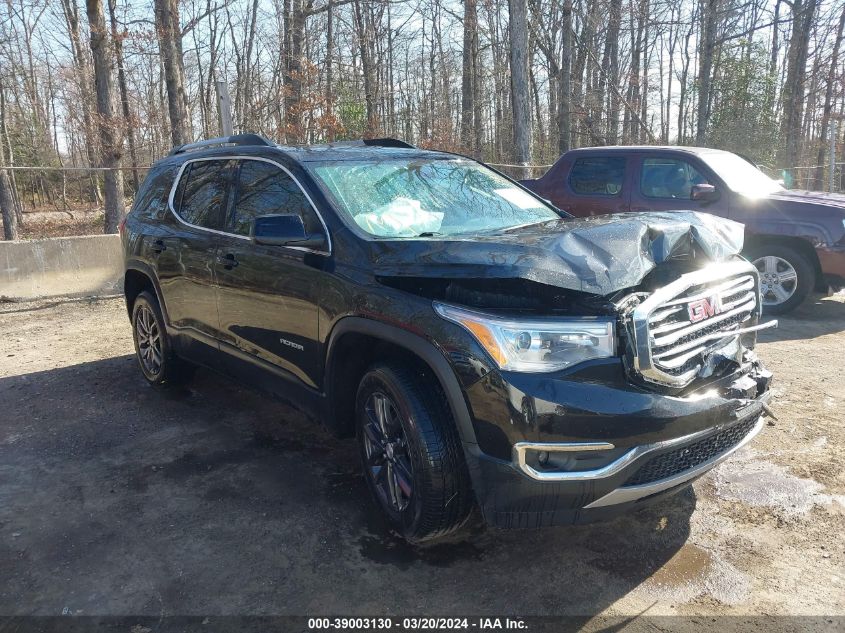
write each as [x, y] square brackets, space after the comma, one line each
[531, 345]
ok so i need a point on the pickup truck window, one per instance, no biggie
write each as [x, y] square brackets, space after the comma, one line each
[598, 176]
[669, 178]
[740, 175]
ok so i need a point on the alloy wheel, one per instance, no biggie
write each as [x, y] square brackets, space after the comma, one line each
[778, 279]
[148, 335]
[387, 455]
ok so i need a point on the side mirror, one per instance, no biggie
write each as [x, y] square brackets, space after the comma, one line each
[284, 230]
[704, 193]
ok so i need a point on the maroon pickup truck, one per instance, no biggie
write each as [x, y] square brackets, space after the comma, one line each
[795, 238]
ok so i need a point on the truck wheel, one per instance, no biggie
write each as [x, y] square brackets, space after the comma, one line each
[786, 276]
[152, 346]
[412, 456]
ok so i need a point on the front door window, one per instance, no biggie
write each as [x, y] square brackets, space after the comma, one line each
[669, 178]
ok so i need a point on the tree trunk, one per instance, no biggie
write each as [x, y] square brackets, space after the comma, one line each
[7, 206]
[6, 147]
[613, 77]
[709, 16]
[803, 12]
[564, 118]
[124, 95]
[469, 77]
[109, 125]
[364, 27]
[828, 105]
[295, 25]
[332, 129]
[520, 95]
[170, 45]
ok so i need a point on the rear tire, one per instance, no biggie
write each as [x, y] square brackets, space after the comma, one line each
[152, 345]
[412, 455]
[786, 276]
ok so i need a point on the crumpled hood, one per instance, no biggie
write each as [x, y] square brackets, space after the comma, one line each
[598, 255]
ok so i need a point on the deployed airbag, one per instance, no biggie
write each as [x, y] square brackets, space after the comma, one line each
[401, 217]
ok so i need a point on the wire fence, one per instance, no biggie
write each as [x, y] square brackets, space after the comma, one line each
[815, 177]
[59, 201]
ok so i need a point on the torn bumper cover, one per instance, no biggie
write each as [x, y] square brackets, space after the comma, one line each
[597, 255]
[595, 439]
[585, 446]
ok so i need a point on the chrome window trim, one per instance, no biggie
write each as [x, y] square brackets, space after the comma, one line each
[326, 253]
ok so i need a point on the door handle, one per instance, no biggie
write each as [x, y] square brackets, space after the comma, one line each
[158, 246]
[228, 261]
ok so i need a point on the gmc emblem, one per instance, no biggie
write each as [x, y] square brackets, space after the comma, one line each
[701, 309]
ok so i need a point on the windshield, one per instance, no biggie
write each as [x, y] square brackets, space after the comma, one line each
[740, 175]
[423, 197]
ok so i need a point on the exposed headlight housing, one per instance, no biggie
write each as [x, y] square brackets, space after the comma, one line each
[534, 345]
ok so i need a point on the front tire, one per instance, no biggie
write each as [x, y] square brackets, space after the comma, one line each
[152, 345]
[786, 276]
[412, 456]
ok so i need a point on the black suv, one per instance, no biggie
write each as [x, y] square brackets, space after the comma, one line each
[483, 347]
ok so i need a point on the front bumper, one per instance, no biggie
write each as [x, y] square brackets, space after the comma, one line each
[662, 443]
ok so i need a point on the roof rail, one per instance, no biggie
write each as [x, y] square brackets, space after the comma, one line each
[387, 142]
[237, 139]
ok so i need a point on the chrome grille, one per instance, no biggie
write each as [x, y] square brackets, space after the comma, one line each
[679, 325]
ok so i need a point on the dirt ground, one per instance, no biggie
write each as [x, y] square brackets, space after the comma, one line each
[116, 498]
[37, 225]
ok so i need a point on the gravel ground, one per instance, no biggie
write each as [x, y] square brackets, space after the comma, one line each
[116, 498]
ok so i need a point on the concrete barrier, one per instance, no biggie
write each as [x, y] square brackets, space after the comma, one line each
[61, 266]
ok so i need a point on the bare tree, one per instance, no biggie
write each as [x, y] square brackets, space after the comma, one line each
[470, 77]
[520, 95]
[170, 44]
[707, 48]
[117, 41]
[828, 101]
[565, 90]
[109, 125]
[803, 12]
[7, 207]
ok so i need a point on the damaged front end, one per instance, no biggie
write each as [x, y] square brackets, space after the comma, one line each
[686, 305]
[616, 373]
[702, 324]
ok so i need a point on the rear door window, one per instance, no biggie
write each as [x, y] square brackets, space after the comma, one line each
[202, 193]
[598, 176]
[151, 201]
[265, 189]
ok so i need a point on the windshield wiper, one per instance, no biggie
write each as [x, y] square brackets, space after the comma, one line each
[429, 234]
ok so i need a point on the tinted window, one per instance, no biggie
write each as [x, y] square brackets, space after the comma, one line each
[264, 189]
[151, 200]
[669, 178]
[201, 200]
[599, 176]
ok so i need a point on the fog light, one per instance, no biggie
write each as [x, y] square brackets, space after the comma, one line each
[543, 457]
